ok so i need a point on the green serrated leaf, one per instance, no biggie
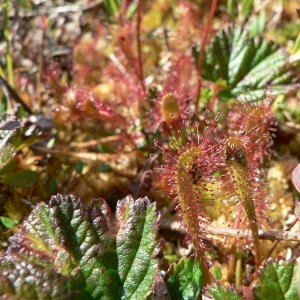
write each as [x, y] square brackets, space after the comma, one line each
[23, 178]
[184, 280]
[71, 239]
[29, 281]
[136, 246]
[217, 291]
[277, 281]
[246, 63]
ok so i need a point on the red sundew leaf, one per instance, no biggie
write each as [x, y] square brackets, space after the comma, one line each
[296, 178]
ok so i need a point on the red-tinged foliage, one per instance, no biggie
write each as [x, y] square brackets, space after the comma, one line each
[191, 163]
[174, 102]
[256, 118]
[83, 104]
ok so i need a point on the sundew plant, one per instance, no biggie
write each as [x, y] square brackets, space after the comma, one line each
[149, 149]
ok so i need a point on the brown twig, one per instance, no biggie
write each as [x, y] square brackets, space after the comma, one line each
[279, 240]
[92, 143]
[97, 157]
[237, 233]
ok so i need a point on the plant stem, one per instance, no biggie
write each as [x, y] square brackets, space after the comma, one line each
[238, 270]
[234, 249]
[237, 233]
[201, 54]
[138, 31]
[9, 64]
[207, 277]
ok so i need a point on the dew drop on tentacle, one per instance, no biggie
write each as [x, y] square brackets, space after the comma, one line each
[217, 117]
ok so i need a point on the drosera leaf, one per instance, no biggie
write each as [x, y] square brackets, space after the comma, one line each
[22, 178]
[246, 62]
[217, 291]
[184, 280]
[69, 239]
[277, 281]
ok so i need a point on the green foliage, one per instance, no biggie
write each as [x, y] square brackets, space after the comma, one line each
[66, 248]
[217, 291]
[246, 63]
[277, 281]
[8, 222]
[23, 178]
[184, 280]
[7, 151]
[92, 112]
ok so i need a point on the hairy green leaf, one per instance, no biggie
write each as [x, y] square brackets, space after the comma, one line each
[8, 167]
[29, 281]
[277, 281]
[23, 178]
[246, 63]
[67, 238]
[217, 291]
[184, 280]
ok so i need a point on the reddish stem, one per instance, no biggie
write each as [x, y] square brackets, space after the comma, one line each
[201, 54]
[138, 30]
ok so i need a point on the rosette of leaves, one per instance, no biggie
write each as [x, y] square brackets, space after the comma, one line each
[67, 250]
[236, 61]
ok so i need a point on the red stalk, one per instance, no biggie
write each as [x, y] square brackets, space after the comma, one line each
[138, 31]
